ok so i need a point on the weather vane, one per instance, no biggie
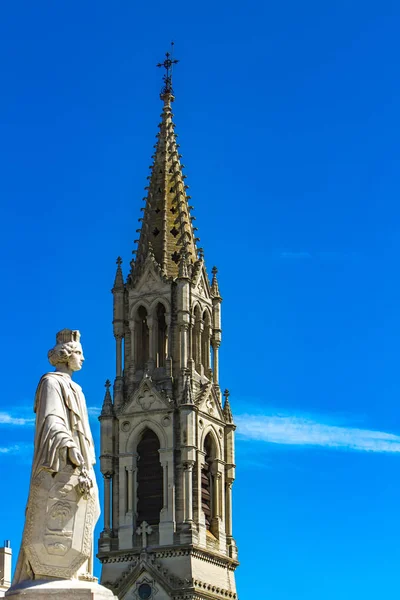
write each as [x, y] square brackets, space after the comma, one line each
[168, 64]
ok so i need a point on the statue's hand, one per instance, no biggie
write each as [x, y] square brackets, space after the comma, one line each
[76, 457]
[85, 483]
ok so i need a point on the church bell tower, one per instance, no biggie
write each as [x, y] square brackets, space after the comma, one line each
[167, 432]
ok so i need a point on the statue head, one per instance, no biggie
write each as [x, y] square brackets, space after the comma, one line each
[68, 350]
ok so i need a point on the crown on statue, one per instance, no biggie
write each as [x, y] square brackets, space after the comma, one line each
[68, 335]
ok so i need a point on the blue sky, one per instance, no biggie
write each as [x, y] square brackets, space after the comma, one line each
[288, 121]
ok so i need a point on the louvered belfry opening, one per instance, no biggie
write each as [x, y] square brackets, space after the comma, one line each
[142, 338]
[206, 481]
[149, 479]
[161, 336]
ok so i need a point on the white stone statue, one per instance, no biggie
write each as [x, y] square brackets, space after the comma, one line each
[63, 504]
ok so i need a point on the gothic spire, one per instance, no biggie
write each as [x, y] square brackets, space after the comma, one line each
[107, 408]
[166, 222]
[119, 278]
[214, 284]
[227, 408]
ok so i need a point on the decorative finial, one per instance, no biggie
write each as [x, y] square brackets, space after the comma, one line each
[167, 78]
[119, 279]
[214, 285]
[201, 253]
[183, 270]
[107, 408]
[227, 408]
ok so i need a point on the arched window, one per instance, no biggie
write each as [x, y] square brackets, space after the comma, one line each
[161, 347]
[142, 338]
[196, 339]
[149, 479]
[205, 342]
[207, 481]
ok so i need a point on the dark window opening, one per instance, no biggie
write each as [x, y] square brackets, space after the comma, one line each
[149, 479]
[206, 482]
[161, 336]
[142, 338]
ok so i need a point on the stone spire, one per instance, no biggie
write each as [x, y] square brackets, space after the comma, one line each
[107, 408]
[166, 223]
[214, 285]
[119, 278]
[227, 408]
[187, 392]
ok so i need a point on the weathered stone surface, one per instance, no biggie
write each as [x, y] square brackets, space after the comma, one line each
[63, 504]
[59, 525]
[60, 590]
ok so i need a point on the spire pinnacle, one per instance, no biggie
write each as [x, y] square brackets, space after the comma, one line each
[107, 408]
[183, 270]
[167, 92]
[167, 222]
[214, 284]
[227, 408]
[119, 278]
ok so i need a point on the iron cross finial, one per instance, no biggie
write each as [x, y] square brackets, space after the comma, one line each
[168, 63]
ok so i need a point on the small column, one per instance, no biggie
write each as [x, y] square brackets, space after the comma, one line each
[115, 508]
[165, 486]
[132, 329]
[151, 361]
[228, 510]
[129, 507]
[199, 327]
[118, 340]
[134, 485]
[168, 343]
[107, 501]
[216, 345]
[167, 514]
[217, 495]
[188, 489]
[184, 345]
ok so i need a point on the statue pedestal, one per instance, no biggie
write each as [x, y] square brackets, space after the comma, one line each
[59, 589]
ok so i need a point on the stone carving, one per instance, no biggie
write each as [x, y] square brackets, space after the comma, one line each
[144, 530]
[146, 399]
[63, 502]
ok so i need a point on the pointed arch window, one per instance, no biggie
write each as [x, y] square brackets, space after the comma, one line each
[196, 339]
[161, 345]
[149, 479]
[205, 342]
[207, 482]
[142, 338]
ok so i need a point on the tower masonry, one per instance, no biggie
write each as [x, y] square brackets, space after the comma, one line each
[167, 432]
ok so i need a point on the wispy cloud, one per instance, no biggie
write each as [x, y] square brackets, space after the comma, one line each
[8, 419]
[10, 449]
[94, 411]
[298, 431]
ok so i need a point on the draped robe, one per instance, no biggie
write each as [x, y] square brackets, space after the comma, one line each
[61, 423]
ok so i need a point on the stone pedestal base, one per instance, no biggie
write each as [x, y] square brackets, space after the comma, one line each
[59, 589]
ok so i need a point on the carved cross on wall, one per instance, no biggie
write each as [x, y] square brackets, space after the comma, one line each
[144, 530]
